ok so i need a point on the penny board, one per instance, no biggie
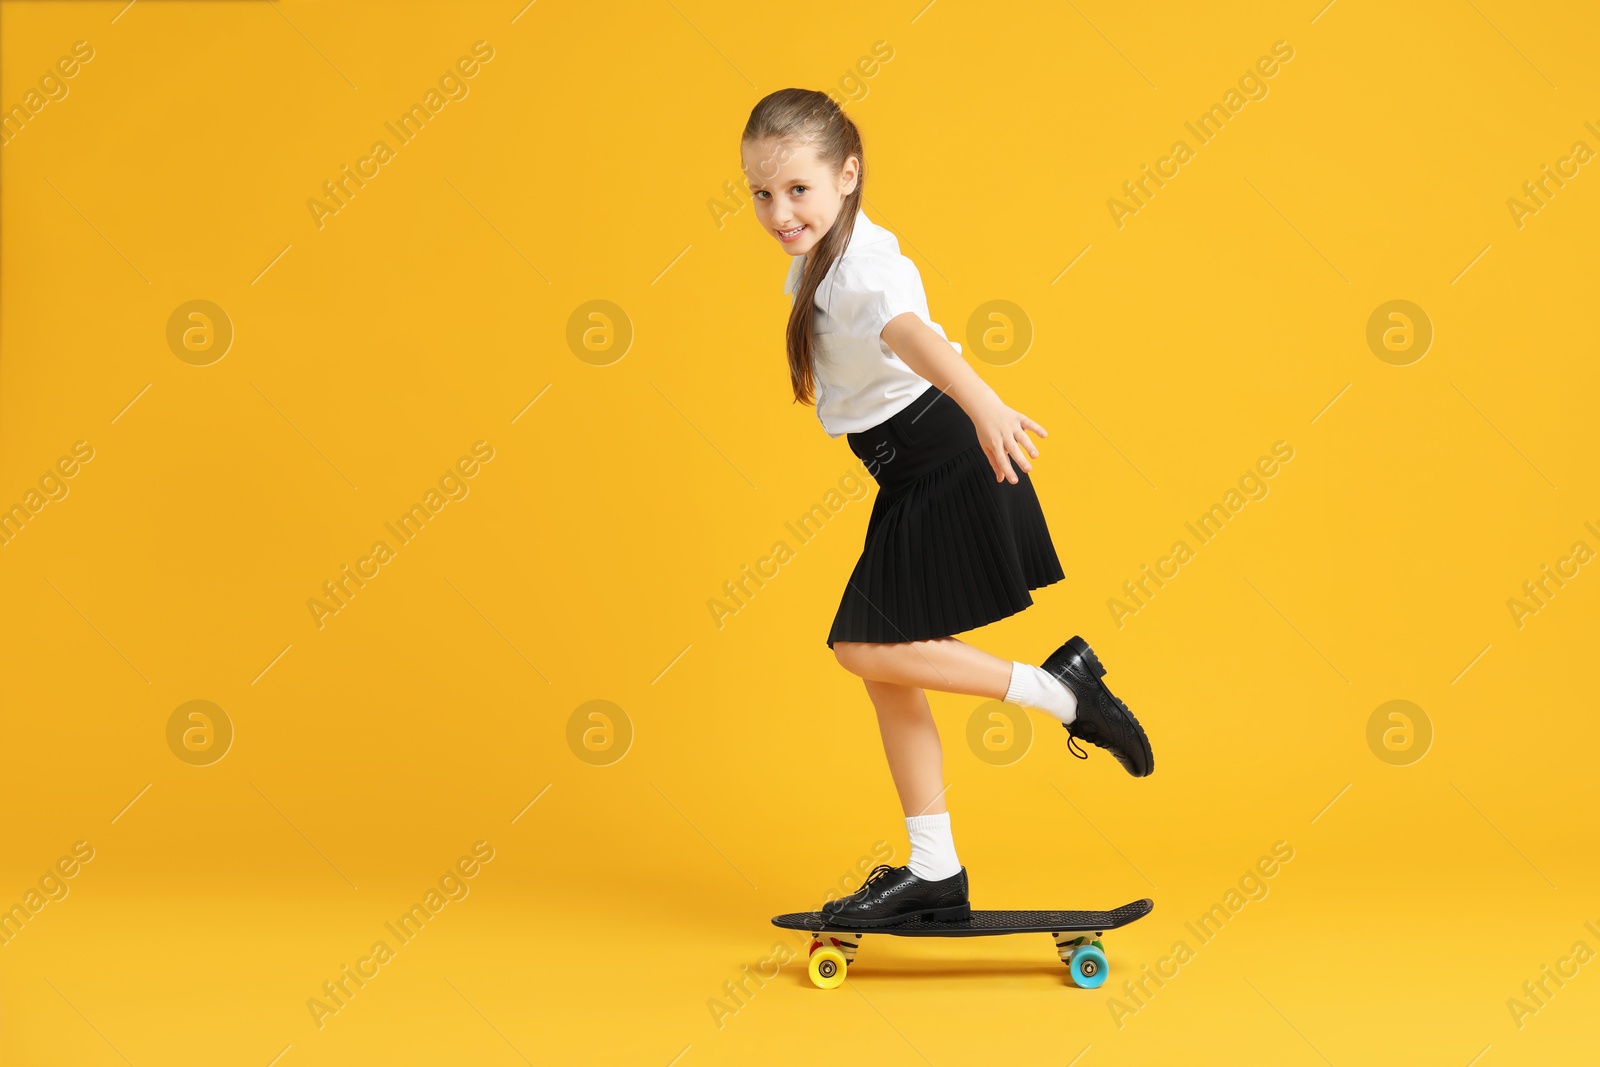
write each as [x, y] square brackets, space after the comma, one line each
[983, 923]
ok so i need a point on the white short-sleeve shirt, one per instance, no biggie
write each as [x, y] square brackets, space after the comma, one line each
[860, 381]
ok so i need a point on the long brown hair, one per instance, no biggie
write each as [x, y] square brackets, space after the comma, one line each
[790, 118]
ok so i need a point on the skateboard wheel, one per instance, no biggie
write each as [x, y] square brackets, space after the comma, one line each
[827, 967]
[1088, 967]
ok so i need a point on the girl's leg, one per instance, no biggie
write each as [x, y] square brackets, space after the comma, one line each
[911, 742]
[1086, 707]
[946, 664]
[953, 666]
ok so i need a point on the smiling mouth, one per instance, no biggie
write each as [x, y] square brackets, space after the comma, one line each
[790, 234]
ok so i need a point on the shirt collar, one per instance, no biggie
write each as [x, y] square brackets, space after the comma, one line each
[796, 265]
[865, 232]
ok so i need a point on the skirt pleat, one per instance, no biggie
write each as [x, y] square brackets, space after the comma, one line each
[948, 548]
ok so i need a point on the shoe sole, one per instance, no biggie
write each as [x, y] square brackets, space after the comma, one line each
[1078, 648]
[951, 914]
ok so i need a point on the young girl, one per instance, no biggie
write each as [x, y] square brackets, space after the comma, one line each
[956, 538]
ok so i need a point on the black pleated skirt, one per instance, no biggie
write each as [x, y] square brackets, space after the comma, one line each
[948, 548]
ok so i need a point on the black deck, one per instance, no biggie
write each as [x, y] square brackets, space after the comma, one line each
[984, 923]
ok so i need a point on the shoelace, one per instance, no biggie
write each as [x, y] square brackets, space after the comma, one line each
[1073, 746]
[877, 872]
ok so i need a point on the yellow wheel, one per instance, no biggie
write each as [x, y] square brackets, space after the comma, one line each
[827, 967]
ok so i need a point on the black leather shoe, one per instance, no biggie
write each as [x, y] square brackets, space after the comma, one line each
[1102, 720]
[893, 895]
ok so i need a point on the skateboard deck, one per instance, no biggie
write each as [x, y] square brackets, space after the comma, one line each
[1076, 935]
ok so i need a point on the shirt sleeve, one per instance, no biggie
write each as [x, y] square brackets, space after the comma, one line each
[865, 296]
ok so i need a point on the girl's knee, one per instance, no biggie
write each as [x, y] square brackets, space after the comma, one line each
[850, 655]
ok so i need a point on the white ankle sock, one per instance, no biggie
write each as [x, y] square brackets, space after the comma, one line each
[1035, 687]
[933, 851]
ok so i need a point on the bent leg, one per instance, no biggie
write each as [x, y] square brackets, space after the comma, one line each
[945, 665]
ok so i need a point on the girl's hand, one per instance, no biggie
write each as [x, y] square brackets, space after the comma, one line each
[1003, 433]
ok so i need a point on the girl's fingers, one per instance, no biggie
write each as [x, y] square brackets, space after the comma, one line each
[994, 464]
[1016, 451]
[1027, 442]
[1001, 462]
[1034, 426]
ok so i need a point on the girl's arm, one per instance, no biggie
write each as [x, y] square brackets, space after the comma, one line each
[1001, 430]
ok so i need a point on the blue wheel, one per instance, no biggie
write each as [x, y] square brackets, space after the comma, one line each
[1088, 967]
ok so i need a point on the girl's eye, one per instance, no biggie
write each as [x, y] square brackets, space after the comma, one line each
[799, 187]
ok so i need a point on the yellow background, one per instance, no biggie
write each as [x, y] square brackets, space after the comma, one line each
[371, 353]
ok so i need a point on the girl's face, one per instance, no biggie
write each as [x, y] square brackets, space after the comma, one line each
[797, 196]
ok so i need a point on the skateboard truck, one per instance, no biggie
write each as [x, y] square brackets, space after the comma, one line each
[840, 948]
[1084, 956]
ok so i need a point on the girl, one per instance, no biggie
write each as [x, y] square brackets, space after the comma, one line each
[956, 538]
